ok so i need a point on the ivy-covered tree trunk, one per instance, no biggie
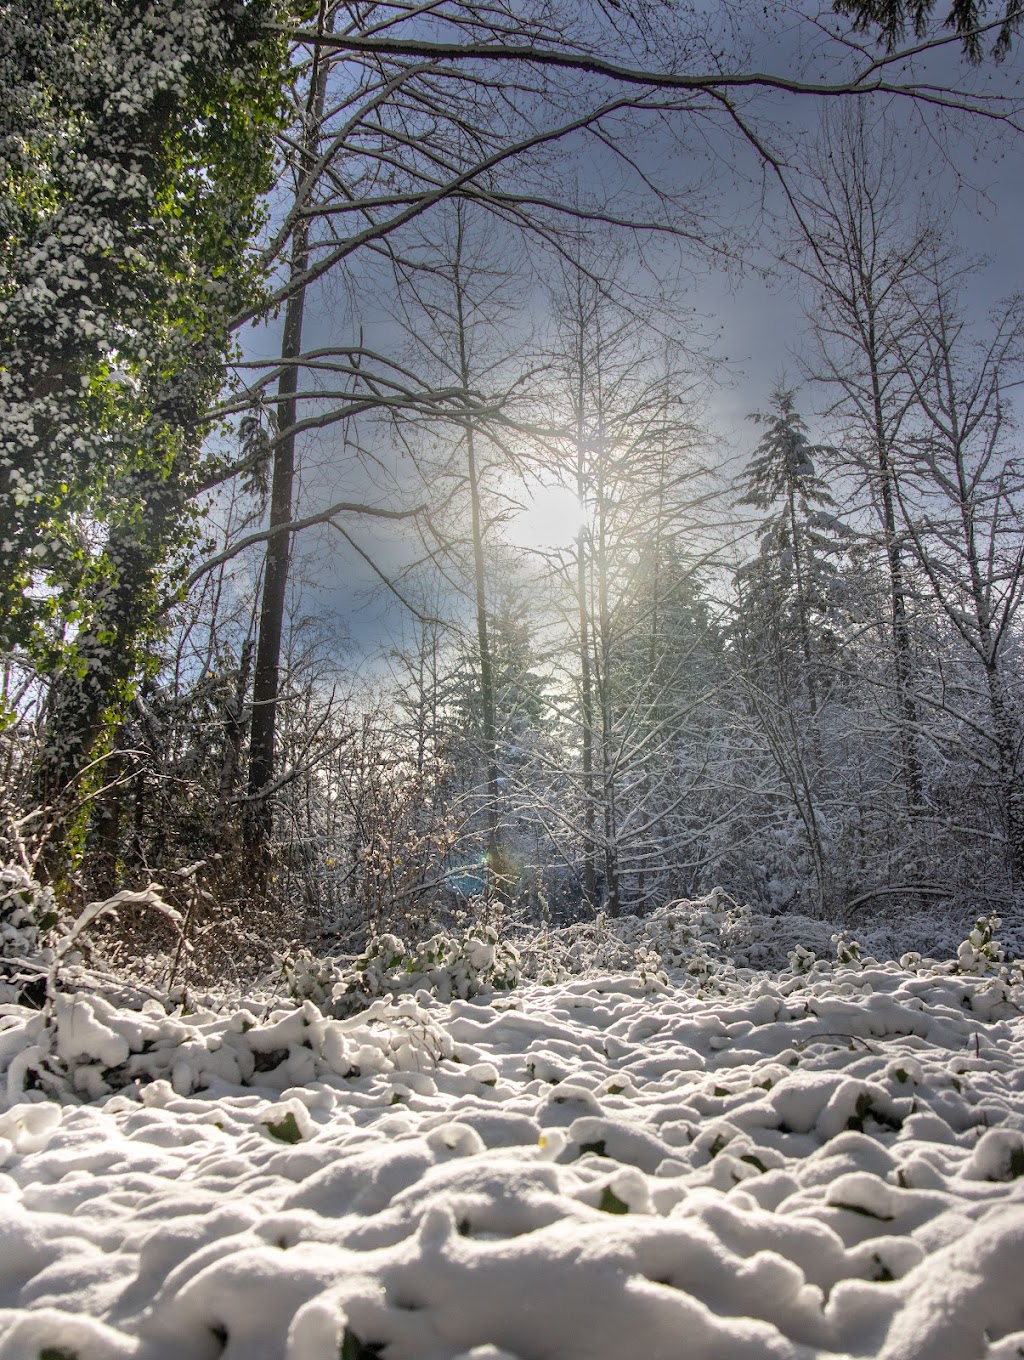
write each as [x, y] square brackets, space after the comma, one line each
[135, 143]
[93, 676]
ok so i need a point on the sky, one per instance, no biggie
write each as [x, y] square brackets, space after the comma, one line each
[749, 310]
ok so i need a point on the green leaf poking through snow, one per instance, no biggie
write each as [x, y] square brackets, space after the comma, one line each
[754, 1161]
[352, 1348]
[286, 1130]
[610, 1202]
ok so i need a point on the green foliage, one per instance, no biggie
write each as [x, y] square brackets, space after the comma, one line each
[862, 1211]
[446, 965]
[981, 952]
[865, 1109]
[610, 1203]
[893, 18]
[309, 977]
[755, 1162]
[847, 950]
[802, 960]
[353, 1348]
[135, 145]
[28, 912]
[285, 1130]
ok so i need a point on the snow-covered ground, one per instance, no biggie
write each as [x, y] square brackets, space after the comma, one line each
[823, 1163]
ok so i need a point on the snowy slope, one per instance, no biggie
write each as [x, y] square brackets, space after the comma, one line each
[817, 1165]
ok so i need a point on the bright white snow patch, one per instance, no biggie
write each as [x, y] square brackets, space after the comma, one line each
[828, 1165]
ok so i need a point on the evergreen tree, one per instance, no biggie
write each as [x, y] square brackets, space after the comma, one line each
[790, 590]
[785, 629]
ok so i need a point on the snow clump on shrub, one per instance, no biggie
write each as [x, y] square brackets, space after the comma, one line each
[447, 967]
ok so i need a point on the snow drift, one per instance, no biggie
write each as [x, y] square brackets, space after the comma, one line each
[823, 1162]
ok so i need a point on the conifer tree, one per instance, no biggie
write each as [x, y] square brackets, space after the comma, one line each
[790, 589]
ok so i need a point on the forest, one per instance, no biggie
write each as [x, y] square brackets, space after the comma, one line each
[512, 716]
[306, 307]
[288, 314]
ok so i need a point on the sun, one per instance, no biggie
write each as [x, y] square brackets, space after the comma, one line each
[550, 519]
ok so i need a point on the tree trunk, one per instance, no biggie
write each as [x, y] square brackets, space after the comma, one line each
[903, 660]
[105, 658]
[586, 699]
[488, 715]
[266, 673]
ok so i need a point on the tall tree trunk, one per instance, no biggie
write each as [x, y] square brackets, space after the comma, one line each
[488, 719]
[488, 715]
[609, 780]
[902, 658]
[105, 658]
[234, 735]
[266, 672]
[586, 693]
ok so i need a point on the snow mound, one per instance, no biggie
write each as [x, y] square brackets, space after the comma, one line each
[818, 1165]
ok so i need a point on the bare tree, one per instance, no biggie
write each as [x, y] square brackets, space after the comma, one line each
[634, 456]
[453, 298]
[960, 490]
[860, 252]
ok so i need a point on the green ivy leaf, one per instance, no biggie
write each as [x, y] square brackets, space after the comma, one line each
[882, 1275]
[751, 1160]
[354, 1348]
[286, 1130]
[610, 1202]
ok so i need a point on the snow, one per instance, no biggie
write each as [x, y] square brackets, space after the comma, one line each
[757, 1166]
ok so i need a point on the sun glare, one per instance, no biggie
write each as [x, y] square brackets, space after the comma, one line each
[550, 519]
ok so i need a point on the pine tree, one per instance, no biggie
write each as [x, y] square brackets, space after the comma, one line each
[789, 591]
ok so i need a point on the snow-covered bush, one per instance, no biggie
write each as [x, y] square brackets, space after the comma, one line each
[709, 944]
[86, 1047]
[706, 939]
[447, 966]
[982, 952]
[460, 964]
[847, 949]
[28, 912]
[713, 941]
[310, 977]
